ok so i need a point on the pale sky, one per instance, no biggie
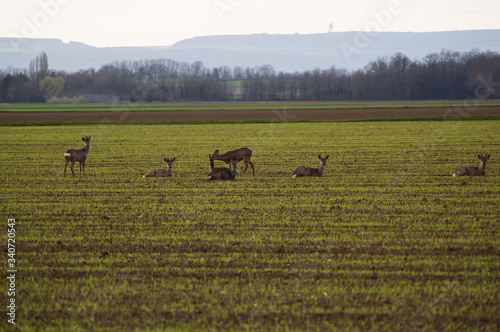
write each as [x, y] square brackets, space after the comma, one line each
[105, 23]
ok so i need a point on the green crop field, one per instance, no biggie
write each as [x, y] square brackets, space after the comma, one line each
[386, 240]
[228, 106]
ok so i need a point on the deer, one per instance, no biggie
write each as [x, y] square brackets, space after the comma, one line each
[161, 173]
[244, 154]
[306, 171]
[78, 155]
[473, 171]
[222, 173]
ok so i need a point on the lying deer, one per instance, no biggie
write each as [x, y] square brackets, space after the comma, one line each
[78, 155]
[470, 170]
[222, 173]
[306, 171]
[161, 173]
[244, 154]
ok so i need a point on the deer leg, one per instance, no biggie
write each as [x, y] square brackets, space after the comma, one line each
[251, 165]
[67, 161]
[72, 165]
[246, 166]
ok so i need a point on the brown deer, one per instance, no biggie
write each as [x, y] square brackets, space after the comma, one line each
[222, 173]
[306, 171]
[78, 155]
[470, 170]
[161, 173]
[244, 154]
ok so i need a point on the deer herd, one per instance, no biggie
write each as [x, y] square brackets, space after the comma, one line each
[244, 154]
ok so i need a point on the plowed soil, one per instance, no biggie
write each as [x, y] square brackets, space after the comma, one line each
[272, 114]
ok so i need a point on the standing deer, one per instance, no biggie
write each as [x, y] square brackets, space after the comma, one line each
[244, 154]
[470, 170]
[161, 173]
[222, 173]
[306, 171]
[78, 155]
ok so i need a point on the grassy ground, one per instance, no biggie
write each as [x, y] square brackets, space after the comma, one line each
[205, 106]
[385, 240]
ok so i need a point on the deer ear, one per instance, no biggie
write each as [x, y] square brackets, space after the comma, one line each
[165, 159]
[173, 159]
[319, 156]
[327, 156]
[83, 139]
[216, 152]
[488, 156]
[479, 156]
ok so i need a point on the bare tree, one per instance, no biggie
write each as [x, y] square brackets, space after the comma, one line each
[39, 68]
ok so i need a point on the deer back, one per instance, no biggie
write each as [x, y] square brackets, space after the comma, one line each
[306, 171]
[314, 172]
[238, 155]
[158, 173]
[220, 173]
[469, 171]
[474, 171]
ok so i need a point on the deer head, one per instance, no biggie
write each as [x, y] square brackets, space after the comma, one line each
[234, 164]
[169, 162]
[86, 140]
[214, 156]
[483, 158]
[323, 160]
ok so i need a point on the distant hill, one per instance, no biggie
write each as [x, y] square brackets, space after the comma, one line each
[289, 53]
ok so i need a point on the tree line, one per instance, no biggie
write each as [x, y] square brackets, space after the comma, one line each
[443, 75]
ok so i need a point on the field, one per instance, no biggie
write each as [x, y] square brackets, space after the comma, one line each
[385, 240]
[246, 112]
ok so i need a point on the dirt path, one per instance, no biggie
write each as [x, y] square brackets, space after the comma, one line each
[276, 114]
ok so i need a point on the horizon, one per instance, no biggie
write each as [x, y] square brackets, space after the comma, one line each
[242, 35]
[284, 52]
[153, 22]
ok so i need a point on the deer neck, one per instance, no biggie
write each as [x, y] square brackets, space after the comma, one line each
[233, 169]
[321, 169]
[223, 158]
[211, 165]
